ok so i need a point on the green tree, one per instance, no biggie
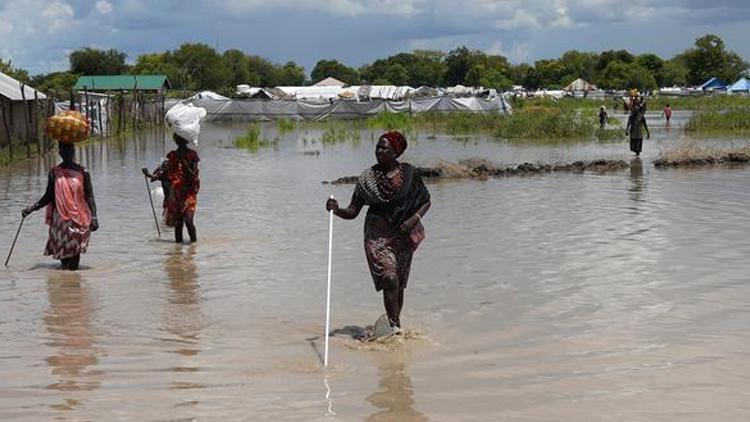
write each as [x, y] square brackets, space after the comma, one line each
[92, 61]
[263, 71]
[292, 74]
[205, 68]
[674, 73]
[237, 64]
[640, 78]
[615, 75]
[397, 75]
[709, 57]
[654, 64]
[332, 68]
[474, 75]
[458, 63]
[577, 64]
[161, 64]
[16, 73]
[495, 79]
[59, 84]
[608, 56]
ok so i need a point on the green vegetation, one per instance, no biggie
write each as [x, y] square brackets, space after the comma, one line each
[285, 125]
[703, 102]
[197, 66]
[530, 122]
[735, 121]
[337, 131]
[252, 139]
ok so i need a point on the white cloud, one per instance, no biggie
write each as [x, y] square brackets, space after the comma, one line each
[57, 15]
[104, 7]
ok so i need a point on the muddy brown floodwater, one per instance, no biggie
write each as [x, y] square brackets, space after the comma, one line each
[609, 297]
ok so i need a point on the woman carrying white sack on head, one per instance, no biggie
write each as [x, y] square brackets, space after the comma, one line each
[180, 170]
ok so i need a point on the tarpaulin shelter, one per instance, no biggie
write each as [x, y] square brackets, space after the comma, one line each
[252, 109]
[714, 84]
[742, 85]
[16, 100]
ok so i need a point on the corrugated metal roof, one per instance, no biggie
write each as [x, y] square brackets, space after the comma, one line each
[11, 89]
[122, 82]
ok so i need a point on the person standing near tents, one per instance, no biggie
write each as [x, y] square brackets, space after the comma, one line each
[181, 170]
[667, 113]
[71, 209]
[397, 199]
[635, 127]
[603, 117]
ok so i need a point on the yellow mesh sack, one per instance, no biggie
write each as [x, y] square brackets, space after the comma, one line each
[68, 127]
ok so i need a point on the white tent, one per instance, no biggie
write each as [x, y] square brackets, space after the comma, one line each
[312, 92]
[579, 85]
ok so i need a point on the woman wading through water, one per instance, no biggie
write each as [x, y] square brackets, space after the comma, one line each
[180, 170]
[397, 199]
[71, 209]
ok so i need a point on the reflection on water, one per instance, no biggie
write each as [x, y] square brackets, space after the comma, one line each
[395, 396]
[636, 179]
[71, 335]
[183, 318]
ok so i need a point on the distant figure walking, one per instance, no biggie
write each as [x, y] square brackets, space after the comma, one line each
[71, 209]
[635, 127]
[397, 199]
[603, 117]
[667, 113]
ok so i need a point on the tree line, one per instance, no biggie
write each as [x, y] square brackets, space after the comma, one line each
[197, 66]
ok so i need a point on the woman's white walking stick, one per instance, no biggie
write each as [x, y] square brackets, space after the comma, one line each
[328, 292]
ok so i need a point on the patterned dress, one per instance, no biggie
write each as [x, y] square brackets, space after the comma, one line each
[181, 172]
[68, 215]
[391, 201]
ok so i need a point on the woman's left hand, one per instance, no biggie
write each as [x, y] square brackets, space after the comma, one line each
[94, 226]
[409, 224]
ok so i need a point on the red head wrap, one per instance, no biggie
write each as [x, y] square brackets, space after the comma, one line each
[397, 141]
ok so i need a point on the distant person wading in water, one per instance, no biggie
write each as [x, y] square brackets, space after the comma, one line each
[603, 117]
[71, 209]
[636, 125]
[667, 113]
[397, 200]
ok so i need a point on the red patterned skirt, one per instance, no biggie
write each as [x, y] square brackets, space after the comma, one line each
[66, 238]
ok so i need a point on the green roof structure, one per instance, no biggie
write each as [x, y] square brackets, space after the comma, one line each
[122, 83]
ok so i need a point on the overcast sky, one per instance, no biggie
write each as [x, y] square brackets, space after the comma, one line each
[39, 34]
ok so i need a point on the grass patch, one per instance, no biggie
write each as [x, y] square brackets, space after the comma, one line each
[252, 139]
[337, 132]
[735, 121]
[285, 125]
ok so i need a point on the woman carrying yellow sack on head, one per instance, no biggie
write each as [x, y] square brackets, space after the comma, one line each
[69, 197]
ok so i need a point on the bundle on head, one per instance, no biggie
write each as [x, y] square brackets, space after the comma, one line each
[68, 127]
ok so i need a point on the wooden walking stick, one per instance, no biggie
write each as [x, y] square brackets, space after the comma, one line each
[151, 200]
[13, 245]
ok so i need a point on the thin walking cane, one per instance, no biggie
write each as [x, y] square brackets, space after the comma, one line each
[328, 292]
[14, 241]
[151, 200]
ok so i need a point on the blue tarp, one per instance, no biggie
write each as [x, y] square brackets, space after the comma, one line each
[742, 85]
[714, 84]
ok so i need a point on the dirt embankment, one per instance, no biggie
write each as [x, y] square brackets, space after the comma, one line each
[694, 156]
[482, 169]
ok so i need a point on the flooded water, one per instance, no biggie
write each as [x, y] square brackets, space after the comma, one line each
[610, 297]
